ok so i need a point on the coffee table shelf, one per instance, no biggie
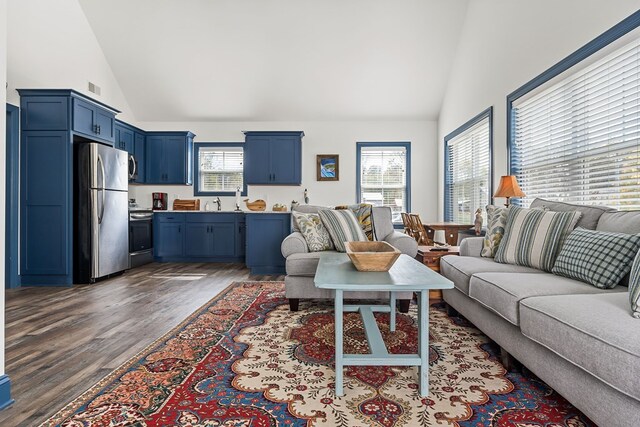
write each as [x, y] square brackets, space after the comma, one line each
[335, 271]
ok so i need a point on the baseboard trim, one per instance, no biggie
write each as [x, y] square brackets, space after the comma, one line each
[5, 392]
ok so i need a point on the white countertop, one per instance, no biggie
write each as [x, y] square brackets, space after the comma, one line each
[171, 211]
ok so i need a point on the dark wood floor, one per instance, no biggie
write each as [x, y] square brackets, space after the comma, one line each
[61, 341]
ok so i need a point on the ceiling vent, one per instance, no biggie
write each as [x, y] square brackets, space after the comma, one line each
[94, 88]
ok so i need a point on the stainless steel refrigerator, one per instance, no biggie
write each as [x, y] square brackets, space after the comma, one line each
[102, 217]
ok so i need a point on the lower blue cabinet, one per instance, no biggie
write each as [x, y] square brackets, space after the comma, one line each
[265, 233]
[168, 235]
[198, 237]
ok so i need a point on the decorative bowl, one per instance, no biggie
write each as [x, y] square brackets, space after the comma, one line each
[372, 256]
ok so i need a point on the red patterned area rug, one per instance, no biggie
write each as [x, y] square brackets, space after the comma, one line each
[245, 360]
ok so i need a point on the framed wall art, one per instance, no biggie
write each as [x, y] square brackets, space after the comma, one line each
[328, 167]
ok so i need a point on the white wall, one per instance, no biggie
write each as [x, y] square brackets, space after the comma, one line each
[3, 98]
[506, 43]
[51, 45]
[321, 138]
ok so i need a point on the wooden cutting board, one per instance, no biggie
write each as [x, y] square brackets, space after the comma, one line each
[186, 205]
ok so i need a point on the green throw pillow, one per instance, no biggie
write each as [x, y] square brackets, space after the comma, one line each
[314, 232]
[496, 221]
[533, 237]
[600, 258]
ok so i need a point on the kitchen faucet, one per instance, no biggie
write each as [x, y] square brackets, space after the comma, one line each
[218, 202]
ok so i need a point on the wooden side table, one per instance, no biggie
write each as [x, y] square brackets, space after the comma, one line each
[432, 260]
[451, 230]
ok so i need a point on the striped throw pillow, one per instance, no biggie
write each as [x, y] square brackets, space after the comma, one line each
[342, 226]
[634, 287]
[600, 258]
[533, 237]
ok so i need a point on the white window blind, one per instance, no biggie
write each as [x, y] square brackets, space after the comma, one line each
[468, 170]
[220, 168]
[383, 178]
[578, 140]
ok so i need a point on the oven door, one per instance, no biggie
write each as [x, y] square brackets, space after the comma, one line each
[133, 168]
[140, 235]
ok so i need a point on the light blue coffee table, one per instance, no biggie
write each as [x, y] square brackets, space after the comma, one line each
[336, 272]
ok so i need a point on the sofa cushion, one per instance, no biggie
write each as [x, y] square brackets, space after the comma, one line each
[620, 222]
[533, 237]
[303, 264]
[314, 232]
[502, 292]
[459, 269]
[342, 226]
[382, 221]
[496, 221]
[588, 219]
[594, 332]
[600, 258]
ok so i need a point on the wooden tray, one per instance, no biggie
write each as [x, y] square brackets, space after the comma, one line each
[186, 205]
[372, 256]
[257, 205]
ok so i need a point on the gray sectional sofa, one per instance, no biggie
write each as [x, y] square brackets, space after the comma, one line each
[301, 264]
[579, 339]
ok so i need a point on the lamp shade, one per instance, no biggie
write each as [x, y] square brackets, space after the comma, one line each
[508, 187]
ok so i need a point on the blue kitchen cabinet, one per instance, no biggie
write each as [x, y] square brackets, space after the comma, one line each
[241, 238]
[265, 233]
[124, 137]
[51, 121]
[168, 235]
[169, 158]
[93, 121]
[273, 158]
[205, 237]
[139, 153]
[224, 239]
[46, 226]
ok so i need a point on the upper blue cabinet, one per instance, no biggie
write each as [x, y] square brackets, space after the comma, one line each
[64, 109]
[124, 137]
[273, 158]
[169, 158]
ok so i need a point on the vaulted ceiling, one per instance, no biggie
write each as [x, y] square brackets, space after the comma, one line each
[252, 60]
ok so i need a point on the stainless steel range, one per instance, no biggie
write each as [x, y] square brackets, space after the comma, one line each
[140, 236]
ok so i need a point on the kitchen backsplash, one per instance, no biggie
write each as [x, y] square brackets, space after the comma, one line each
[271, 195]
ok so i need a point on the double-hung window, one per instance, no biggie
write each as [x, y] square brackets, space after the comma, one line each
[219, 169]
[576, 137]
[384, 177]
[467, 152]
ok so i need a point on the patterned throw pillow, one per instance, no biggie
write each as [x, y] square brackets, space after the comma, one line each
[634, 287]
[315, 234]
[496, 221]
[533, 237]
[600, 258]
[342, 226]
[362, 211]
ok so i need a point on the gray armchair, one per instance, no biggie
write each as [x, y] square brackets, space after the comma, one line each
[301, 264]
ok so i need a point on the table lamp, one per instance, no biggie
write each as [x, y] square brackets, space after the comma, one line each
[508, 188]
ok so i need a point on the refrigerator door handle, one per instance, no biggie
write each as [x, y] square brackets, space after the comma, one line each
[95, 238]
[133, 170]
[103, 189]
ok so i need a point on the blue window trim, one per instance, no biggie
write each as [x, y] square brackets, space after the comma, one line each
[614, 33]
[488, 113]
[407, 146]
[196, 169]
